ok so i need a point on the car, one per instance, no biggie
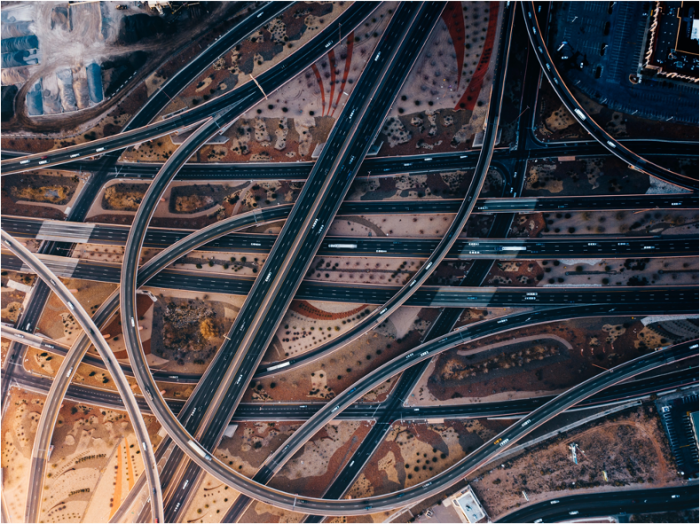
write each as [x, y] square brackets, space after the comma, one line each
[573, 512]
[44, 157]
[675, 496]
[554, 502]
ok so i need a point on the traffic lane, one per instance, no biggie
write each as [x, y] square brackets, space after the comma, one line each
[462, 249]
[157, 237]
[613, 502]
[487, 451]
[299, 217]
[302, 58]
[427, 296]
[384, 165]
[300, 220]
[350, 18]
[66, 372]
[474, 248]
[378, 167]
[359, 411]
[184, 76]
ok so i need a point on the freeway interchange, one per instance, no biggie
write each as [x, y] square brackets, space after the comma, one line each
[195, 428]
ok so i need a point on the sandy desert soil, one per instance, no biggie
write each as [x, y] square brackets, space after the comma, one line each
[539, 360]
[414, 452]
[195, 205]
[309, 472]
[265, 132]
[324, 378]
[630, 447]
[444, 101]
[95, 459]
[177, 358]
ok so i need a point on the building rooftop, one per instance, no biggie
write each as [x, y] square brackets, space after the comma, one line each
[469, 505]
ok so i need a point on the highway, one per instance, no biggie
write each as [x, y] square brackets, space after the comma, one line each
[638, 366]
[436, 255]
[426, 296]
[577, 111]
[297, 411]
[622, 502]
[300, 60]
[269, 81]
[108, 234]
[486, 452]
[331, 177]
[209, 409]
[76, 354]
[68, 369]
[546, 248]
[380, 166]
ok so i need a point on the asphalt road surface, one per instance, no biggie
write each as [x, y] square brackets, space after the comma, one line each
[611, 503]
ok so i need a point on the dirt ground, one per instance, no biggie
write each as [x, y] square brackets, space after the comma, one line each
[309, 472]
[325, 377]
[101, 29]
[535, 361]
[451, 80]
[4, 349]
[415, 452]
[630, 447]
[95, 459]
[284, 126]
[667, 516]
[586, 176]
[13, 299]
[176, 357]
[56, 322]
[46, 194]
[196, 205]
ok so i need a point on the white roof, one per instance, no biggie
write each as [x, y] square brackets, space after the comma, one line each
[694, 30]
[470, 507]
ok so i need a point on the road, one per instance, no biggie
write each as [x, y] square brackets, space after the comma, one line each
[436, 255]
[551, 246]
[297, 411]
[486, 452]
[331, 177]
[268, 82]
[68, 369]
[330, 188]
[546, 412]
[77, 353]
[610, 503]
[426, 296]
[302, 58]
[638, 366]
